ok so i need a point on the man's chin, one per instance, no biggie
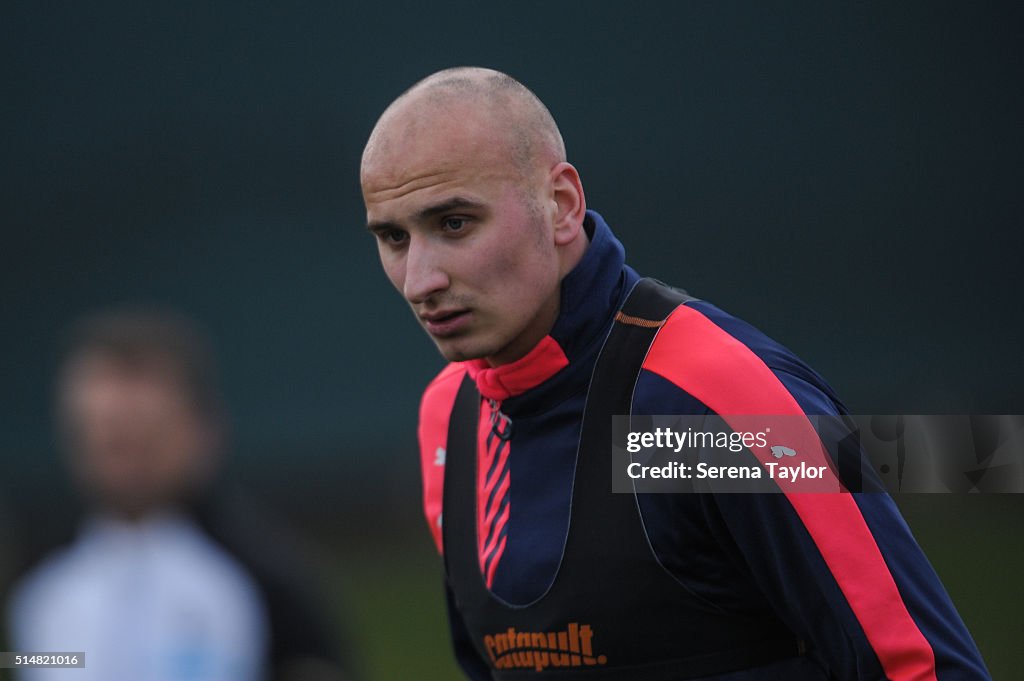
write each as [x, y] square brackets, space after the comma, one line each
[459, 349]
[458, 355]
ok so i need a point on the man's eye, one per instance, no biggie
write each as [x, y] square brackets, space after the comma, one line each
[393, 236]
[454, 224]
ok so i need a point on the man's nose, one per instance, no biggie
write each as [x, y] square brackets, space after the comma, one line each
[424, 273]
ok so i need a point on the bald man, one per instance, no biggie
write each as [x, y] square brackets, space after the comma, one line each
[482, 226]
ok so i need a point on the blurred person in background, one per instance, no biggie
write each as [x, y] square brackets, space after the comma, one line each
[170, 577]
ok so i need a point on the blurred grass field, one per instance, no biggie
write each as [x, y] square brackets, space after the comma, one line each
[394, 601]
[976, 544]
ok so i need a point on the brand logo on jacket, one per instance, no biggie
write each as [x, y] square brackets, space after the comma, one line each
[572, 647]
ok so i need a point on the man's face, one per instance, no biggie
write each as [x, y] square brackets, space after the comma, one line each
[467, 239]
[135, 440]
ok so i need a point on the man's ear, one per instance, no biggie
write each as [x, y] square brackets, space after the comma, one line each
[570, 203]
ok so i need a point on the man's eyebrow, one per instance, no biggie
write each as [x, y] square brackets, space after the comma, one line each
[381, 226]
[455, 203]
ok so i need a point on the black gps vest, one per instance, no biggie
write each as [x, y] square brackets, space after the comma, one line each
[613, 612]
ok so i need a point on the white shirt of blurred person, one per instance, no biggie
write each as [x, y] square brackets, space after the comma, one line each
[142, 591]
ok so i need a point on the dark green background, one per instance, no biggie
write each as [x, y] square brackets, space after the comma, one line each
[846, 177]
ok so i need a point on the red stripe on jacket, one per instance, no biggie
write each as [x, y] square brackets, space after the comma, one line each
[489, 523]
[699, 357]
[435, 415]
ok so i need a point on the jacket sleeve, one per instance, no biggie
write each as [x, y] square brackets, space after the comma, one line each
[841, 570]
[845, 573]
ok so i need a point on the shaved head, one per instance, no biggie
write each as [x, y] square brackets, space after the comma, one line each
[494, 104]
[476, 213]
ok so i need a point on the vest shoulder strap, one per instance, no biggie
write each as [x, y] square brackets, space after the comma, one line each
[636, 324]
[652, 300]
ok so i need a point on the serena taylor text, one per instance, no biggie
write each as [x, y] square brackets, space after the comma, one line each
[677, 470]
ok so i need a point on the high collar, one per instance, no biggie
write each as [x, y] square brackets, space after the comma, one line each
[590, 294]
